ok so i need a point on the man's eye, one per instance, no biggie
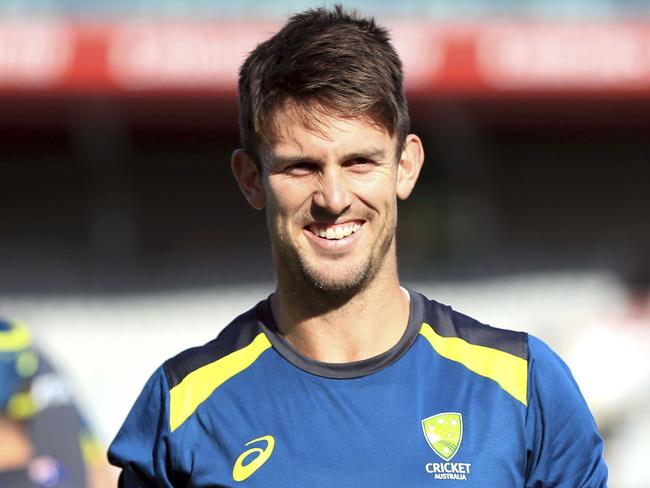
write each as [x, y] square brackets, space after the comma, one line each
[300, 168]
[360, 163]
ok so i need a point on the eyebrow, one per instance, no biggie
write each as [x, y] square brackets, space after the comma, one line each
[370, 153]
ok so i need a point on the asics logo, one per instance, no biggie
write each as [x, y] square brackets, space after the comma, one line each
[241, 471]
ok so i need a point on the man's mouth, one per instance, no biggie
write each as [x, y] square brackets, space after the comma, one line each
[335, 231]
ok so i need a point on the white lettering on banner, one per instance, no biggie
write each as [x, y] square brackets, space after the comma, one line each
[422, 51]
[144, 55]
[34, 53]
[563, 56]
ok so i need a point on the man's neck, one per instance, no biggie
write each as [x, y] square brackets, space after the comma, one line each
[335, 329]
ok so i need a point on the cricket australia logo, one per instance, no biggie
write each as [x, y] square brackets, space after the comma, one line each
[444, 433]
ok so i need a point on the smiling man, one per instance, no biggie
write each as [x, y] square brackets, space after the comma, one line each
[343, 378]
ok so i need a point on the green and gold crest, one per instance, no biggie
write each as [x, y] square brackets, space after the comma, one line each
[444, 433]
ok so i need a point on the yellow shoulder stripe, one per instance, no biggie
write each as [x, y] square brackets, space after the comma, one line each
[197, 386]
[508, 370]
[16, 338]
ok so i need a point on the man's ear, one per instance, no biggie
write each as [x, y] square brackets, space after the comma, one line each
[409, 165]
[249, 178]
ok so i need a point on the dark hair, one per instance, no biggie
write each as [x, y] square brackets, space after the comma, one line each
[322, 62]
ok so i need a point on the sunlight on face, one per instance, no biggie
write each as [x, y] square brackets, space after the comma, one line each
[331, 201]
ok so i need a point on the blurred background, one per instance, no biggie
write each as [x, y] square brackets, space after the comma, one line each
[123, 238]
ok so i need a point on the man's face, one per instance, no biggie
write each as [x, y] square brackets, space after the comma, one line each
[331, 201]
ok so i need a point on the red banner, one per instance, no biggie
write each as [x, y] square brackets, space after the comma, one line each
[490, 58]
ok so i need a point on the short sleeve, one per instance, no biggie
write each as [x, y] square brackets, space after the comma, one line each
[564, 449]
[141, 447]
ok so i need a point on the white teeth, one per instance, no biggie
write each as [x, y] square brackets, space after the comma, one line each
[337, 232]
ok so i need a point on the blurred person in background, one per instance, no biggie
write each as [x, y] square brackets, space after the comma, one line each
[610, 357]
[343, 377]
[44, 442]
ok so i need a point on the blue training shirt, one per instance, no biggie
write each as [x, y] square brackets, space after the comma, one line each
[455, 403]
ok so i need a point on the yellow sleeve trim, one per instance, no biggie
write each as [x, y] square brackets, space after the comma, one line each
[197, 386]
[92, 450]
[508, 370]
[21, 406]
[16, 338]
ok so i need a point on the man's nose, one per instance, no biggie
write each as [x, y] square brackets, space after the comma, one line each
[333, 194]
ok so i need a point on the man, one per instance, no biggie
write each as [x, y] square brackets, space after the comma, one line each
[44, 442]
[342, 378]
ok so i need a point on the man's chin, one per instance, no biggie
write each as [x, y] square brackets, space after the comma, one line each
[331, 283]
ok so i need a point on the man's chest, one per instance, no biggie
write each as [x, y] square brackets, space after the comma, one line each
[408, 426]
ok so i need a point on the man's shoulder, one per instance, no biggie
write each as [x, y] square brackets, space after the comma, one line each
[237, 335]
[446, 322]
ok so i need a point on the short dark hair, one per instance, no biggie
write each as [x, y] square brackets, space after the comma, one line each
[322, 62]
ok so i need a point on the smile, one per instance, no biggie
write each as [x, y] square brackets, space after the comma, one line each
[335, 231]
